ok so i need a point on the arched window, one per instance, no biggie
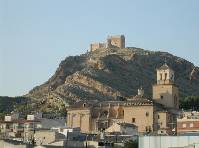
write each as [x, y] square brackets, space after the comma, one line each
[147, 114]
[165, 76]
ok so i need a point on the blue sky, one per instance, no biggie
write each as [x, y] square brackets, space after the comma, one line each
[35, 35]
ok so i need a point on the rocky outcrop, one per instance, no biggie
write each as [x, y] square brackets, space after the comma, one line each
[94, 85]
[108, 73]
[194, 75]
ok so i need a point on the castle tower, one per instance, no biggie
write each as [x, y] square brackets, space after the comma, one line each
[165, 91]
[117, 41]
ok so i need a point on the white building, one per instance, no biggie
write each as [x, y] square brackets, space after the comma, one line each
[123, 128]
[169, 142]
[67, 132]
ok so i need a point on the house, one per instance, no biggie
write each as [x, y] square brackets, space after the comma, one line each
[188, 123]
[123, 128]
[67, 132]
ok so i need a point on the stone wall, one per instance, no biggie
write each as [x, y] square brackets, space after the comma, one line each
[95, 46]
[79, 118]
[166, 95]
[141, 116]
[116, 41]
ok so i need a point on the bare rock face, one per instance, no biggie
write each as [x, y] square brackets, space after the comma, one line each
[108, 73]
[194, 75]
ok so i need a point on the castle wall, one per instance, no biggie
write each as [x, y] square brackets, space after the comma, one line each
[116, 41]
[112, 42]
[95, 46]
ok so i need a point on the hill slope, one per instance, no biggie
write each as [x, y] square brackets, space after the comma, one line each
[107, 73]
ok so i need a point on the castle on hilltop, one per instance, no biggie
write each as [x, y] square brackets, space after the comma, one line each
[117, 41]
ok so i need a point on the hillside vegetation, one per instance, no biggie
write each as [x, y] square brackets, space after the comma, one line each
[9, 104]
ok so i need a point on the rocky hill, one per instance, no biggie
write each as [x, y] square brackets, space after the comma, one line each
[107, 73]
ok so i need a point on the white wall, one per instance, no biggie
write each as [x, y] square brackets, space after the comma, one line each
[7, 118]
[4, 144]
[167, 141]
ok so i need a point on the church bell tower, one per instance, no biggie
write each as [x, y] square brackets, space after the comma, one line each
[165, 91]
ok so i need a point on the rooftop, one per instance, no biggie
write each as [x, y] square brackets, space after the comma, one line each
[86, 104]
[127, 125]
[164, 67]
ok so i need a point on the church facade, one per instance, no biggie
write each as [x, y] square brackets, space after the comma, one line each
[149, 115]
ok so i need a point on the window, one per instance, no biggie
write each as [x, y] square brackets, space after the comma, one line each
[146, 128]
[147, 114]
[165, 77]
[184, 125]
[150, 129]
[158, 116]
[84, 105]
[191, 125]
[133, 120]
[161, 97]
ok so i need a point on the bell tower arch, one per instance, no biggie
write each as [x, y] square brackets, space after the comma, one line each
[165, 75]
[165, 91]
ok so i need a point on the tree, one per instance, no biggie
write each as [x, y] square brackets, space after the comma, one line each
[131, 144]
[190, 103]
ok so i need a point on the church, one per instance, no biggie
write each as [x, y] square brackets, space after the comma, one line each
[156, 114]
